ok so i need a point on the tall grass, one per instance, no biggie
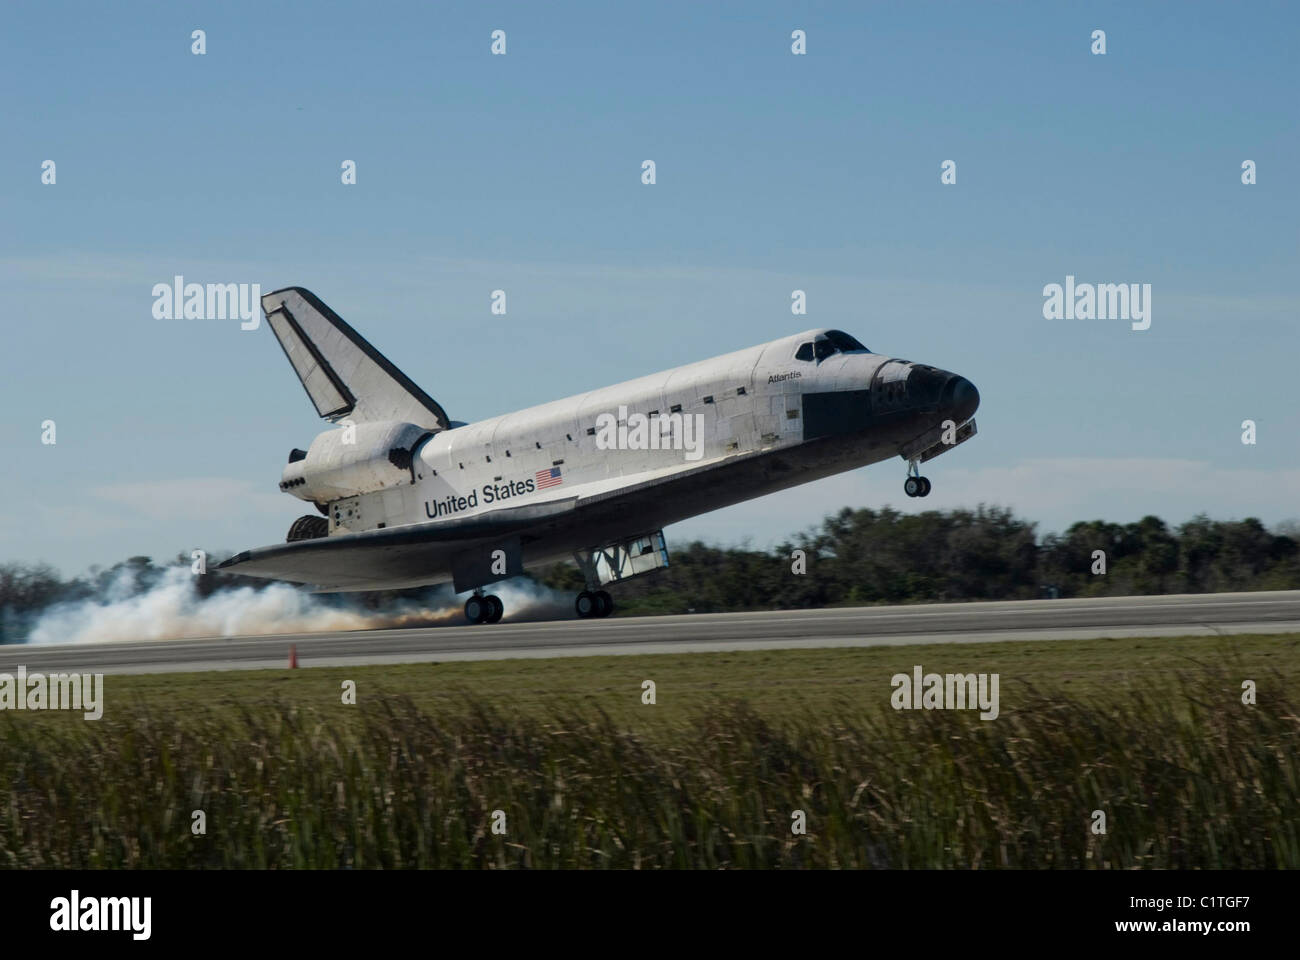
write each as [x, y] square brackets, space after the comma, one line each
[1187, 777]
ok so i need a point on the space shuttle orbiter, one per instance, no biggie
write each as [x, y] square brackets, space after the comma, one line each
[407, 497]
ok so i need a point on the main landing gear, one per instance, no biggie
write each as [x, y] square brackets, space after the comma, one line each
[916, 485]
[612, 562]
[484, 609]
[597, 603]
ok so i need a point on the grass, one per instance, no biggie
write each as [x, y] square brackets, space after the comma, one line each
[776, 683]
[1151, 732]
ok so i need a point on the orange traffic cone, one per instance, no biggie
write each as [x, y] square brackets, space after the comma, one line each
[293, 656]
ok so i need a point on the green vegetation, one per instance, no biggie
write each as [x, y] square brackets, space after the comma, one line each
[862, 557]
[1152, 732]
[779, 684]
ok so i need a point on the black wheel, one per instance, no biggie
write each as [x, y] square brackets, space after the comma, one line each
[604, 603]
[912, 487]
[925, 487]
[476, 609]
[586, 605]
[308, 528]
[496, 609]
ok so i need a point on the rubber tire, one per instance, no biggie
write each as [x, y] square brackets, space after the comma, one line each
[912, 486]
[496, 609]
[604, 603]
[308, 528]
[476, 609]
[925, 487]
[586, 605]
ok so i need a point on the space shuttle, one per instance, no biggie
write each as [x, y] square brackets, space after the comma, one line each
[407, 497]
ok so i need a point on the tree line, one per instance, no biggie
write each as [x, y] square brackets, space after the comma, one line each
[853, 557]
[884, 556]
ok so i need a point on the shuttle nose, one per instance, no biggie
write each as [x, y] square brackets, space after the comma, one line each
[960, 399]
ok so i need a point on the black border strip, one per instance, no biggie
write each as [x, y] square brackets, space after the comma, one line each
[349, 400]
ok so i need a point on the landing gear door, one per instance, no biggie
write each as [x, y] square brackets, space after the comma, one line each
[624, 559]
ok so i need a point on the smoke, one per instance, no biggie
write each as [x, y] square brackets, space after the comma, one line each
[172, 609]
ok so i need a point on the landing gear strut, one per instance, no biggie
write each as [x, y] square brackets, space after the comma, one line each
[597, 603]
[915, 485]
[592, 602]
[484, 609]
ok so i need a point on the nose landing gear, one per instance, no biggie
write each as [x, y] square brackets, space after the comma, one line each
[916, 485]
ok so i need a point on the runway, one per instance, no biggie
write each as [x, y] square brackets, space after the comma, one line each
[1193, 614]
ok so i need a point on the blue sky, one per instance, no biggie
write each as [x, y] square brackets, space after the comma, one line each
[522, 172]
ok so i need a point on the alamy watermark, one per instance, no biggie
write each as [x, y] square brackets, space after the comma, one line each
[639, 431]
[952, 691]
[1100, 301]
[58, 691]
[75, 913]
[179, 300]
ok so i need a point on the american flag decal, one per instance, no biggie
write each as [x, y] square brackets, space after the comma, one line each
[549, 478]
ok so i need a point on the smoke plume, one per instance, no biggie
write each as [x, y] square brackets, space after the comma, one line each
[172, 608]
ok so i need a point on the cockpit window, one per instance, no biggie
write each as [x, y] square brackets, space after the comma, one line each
[823, 349]
[844, 342]
[805, 352]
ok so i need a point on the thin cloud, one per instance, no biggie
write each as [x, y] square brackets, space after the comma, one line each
[167, 499]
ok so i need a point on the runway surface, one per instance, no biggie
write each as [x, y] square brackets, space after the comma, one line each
[1194, 614]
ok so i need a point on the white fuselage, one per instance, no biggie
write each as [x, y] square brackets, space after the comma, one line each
[738, 404]
[411, 497]
[741, 425]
